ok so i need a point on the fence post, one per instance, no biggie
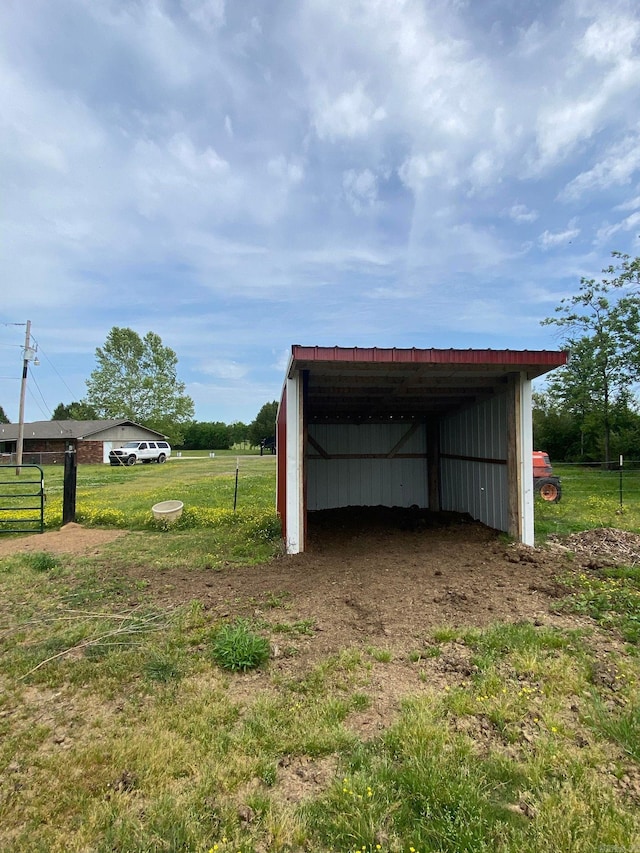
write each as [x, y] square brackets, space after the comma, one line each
[235, 491]
[69, 488]
[621, 462]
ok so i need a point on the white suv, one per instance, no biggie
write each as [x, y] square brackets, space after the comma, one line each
[143, 451]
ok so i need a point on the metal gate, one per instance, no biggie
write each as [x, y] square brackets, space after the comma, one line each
[22, 507]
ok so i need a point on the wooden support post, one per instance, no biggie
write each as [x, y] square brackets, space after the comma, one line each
[514, 450]
[433, 463]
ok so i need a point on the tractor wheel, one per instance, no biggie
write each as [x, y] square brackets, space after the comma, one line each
[550, 490]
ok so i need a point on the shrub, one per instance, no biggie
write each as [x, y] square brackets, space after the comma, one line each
[238, 648]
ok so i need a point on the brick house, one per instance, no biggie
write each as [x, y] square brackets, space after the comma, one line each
[45, 442]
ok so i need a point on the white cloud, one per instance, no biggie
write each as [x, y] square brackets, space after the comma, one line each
[606, 232]
[289, 172]
[348, 115]
[208, 14]
[484, 169]
[281, 361]
[177, 182]
[521, 214]
[551, 239]
[360, 188]
[611, 38]
[419, 168]
[631, 204]
[562, 126]
[223, 369]
[585, 96]
[147, 32]
[391, 293]
[199, 163]
[618, 167]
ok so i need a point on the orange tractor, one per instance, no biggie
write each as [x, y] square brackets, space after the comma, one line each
[547, 486]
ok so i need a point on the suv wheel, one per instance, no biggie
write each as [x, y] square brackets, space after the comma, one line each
[161, 458]
[131, 460]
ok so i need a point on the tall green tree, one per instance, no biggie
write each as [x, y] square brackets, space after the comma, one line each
[203, 435]
[76, 411]
[600, 326]
[137, 378]
[239, 432]
[555, 430]
[264, 425]
[3, 418]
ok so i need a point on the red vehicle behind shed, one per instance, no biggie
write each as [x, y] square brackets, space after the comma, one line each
[548, 487]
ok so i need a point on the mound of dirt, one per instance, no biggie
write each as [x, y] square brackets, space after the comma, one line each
[70, 539]
[603, 546]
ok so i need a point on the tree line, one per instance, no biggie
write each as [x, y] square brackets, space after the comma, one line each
[195, 435]
[201, 435]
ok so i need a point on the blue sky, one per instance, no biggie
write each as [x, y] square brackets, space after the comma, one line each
[241, 176]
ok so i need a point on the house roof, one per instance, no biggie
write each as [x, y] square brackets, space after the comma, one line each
[68, 429]
[379, 383]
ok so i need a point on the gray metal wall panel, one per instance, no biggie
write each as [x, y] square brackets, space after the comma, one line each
[120, 435]
[479, 488]
[366, 482]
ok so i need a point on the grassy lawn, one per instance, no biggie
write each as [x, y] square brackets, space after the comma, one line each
[590, 498]
[130, 726]
[199, 481]
[209, 531]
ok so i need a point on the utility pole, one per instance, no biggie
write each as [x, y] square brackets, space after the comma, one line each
[28, 355]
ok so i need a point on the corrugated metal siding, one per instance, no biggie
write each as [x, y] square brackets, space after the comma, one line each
[365, 482]
[476, 487]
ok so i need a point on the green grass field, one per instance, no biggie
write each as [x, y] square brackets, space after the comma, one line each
[209, 531]
[591, 497]
[130, 726]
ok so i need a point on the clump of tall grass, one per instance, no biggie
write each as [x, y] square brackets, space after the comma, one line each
[41, 561]
[237, 647]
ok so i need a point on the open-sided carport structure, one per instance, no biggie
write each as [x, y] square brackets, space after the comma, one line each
[438, 429]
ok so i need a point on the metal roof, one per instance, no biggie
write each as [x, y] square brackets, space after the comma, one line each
[67, 429]
[356, 383]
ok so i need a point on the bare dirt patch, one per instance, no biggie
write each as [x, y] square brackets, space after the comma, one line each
[301, 777]
[377, 579]
[70, 539]
[381, 579]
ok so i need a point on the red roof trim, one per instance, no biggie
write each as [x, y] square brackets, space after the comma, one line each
[429, 356]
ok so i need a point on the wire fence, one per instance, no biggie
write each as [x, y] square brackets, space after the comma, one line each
[32, 458]
[612, 481]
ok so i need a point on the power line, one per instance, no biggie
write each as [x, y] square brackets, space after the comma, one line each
[34, 381]
[53, 367]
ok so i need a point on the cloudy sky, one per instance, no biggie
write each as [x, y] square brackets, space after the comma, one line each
[241, 176]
